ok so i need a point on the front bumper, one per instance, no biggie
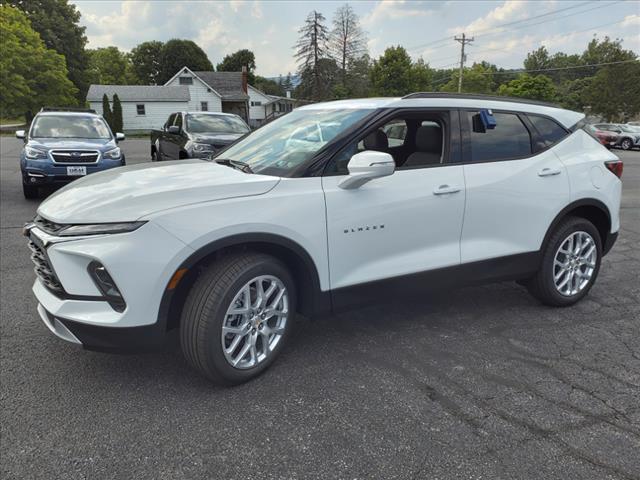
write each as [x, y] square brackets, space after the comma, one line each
[42, 172]
[105, 339]
[140, 262]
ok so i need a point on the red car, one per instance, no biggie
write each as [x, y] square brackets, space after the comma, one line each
[606, 138]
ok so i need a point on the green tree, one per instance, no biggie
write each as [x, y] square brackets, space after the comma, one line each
[268, 86]
[178, 53]
[312, 47]
[110, 66]
[31, 76]
[118, 124]
[539, 87]
[614, 92]
[573, 94]
[318, 83]
[145, 62]
[421, 76]
[106, 111]
[235, 61]
[391, 75]
[358, 82]
[58, 23]
[476, 79]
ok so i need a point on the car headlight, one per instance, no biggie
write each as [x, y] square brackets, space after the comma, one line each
[34, 154]
[202, 147]
[112, 154]
[99, 229]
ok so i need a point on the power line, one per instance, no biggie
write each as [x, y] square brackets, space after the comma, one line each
[565, 35]
[515, 70]
[549, 20]
[448, 38]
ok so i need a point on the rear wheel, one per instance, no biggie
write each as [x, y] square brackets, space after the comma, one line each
[626, 144]
[30, 191]
[570, 263]
[155, 155]
[237, 317]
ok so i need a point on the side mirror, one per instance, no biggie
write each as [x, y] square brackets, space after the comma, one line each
[173, 129]
[120, 137]
[20, 134]
[366, 166]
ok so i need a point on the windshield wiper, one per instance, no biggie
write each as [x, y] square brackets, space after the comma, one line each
[237, 164]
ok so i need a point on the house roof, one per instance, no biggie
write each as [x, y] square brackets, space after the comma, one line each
[140, 93]
[227, 84]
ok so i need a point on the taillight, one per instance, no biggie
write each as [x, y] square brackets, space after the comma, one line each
[615, 167]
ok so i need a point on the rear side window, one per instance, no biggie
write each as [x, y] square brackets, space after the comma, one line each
[509, 139]
[549, 132]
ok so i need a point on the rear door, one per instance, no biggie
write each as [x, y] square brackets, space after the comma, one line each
[515, 185]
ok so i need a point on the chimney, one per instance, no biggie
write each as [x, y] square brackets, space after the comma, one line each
[244, 79]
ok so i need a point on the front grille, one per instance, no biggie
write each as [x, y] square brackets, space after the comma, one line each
[75, 156]
[47, 226]
[43, 268]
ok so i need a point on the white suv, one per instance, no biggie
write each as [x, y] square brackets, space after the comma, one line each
[320, 210]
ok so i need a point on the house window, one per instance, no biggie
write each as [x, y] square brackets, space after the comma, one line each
[256, 104]
[140, 109]
[186, 80]
[204, 106]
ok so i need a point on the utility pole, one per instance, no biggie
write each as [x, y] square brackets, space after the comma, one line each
[463, 41]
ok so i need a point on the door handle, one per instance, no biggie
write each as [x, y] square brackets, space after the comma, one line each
[548, 172]
[445, 189]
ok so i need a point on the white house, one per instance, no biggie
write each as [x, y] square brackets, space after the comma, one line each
[263, 107]
[145, 107]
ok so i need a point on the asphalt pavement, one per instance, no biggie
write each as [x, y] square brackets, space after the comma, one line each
[481, 382]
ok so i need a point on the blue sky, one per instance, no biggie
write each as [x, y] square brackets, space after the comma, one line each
[425, 28]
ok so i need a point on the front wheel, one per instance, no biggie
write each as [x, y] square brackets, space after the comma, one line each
[570, 263]
[30, 191]
[237, 317]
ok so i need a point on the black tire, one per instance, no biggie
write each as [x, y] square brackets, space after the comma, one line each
[206, 307]
[30, 191]
[542, 285]
[626, 144]
[155, 156]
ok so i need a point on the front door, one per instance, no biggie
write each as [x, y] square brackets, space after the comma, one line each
[406, 223]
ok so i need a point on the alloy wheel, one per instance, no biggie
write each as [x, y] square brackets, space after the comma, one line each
[574, 263]
[255, 322]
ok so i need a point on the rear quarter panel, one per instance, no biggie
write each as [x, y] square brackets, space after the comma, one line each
[584, 158]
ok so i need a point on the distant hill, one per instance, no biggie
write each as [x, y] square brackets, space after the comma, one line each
[295, 79]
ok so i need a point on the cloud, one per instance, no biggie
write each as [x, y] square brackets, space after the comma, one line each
[394, 9]
[510, 10]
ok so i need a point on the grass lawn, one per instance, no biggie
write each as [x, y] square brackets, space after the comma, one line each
[11, 121]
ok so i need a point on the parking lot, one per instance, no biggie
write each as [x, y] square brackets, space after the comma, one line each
[481, 382]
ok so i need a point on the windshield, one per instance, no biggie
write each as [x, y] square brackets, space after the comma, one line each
[281, 146]
[69, 126]
[207, 123]
[629, 129]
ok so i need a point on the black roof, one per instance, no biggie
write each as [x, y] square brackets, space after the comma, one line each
[477, 96]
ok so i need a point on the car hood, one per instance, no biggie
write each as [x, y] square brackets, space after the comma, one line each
[72, 143]
[217, 138]
[133, 192]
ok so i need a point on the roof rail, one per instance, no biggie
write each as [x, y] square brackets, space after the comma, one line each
[478, 96]
[67, 109]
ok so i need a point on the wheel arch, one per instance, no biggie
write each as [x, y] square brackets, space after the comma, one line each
[311, 300]
[589, 208]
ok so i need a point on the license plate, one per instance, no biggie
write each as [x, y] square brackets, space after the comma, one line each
[76, 171]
